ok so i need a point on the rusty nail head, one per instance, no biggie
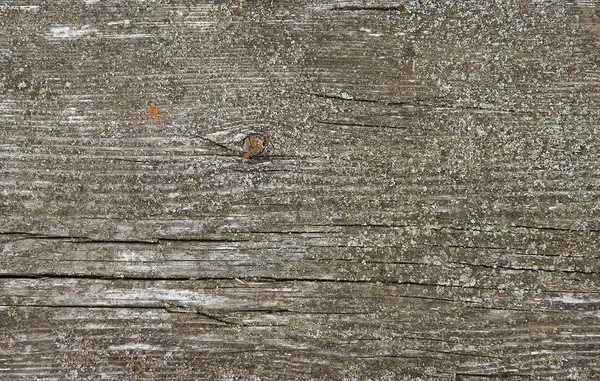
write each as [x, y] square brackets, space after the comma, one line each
[253, 145]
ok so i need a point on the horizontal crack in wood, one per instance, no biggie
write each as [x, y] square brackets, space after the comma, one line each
[373, 281]
[420, 102]
[357, 8]
[83, 239]
[503, 267]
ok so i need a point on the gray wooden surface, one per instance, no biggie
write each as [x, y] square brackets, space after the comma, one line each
[427, 205]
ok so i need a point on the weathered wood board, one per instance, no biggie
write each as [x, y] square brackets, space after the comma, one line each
[427, 206]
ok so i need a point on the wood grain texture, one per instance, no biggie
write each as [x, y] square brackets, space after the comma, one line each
[427, 206]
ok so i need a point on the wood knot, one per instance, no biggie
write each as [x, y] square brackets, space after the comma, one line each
[253, 145]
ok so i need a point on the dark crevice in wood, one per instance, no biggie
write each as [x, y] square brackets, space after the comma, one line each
[560, 291]
[464, 376]
[82, 239]
[516, 250]
[401, 337]
[507, 308]
[366, 225]
[263, 350]
[28, 235]
[295, 232]
[369, 281]
[107, 277]
[338, 97]
[358, 8]
[358, 260]
[456, 228]
[269, 158]
[94, 306]
[440, 299]
[465, 354]
[220, 145]
[477, 108]
[209, 240]
[263, 170]
[145, 261]
[523, 268]
[550, 228]
[349, 124]
[147, 162]
[431, 350]
[266, 310]
[461, 229]
[374, 281]
[378, 357]
[168, 160]
[153, 241]
[330, 313]
[497, 228]
[420, 102]
[472, 247]
[429, 339]
[216, 318]
[170, 309]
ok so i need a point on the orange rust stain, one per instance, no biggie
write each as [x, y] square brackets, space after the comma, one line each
[245, 156]
[152, 111]
[254, 144]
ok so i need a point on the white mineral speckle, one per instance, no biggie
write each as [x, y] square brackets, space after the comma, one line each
[71, 32]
